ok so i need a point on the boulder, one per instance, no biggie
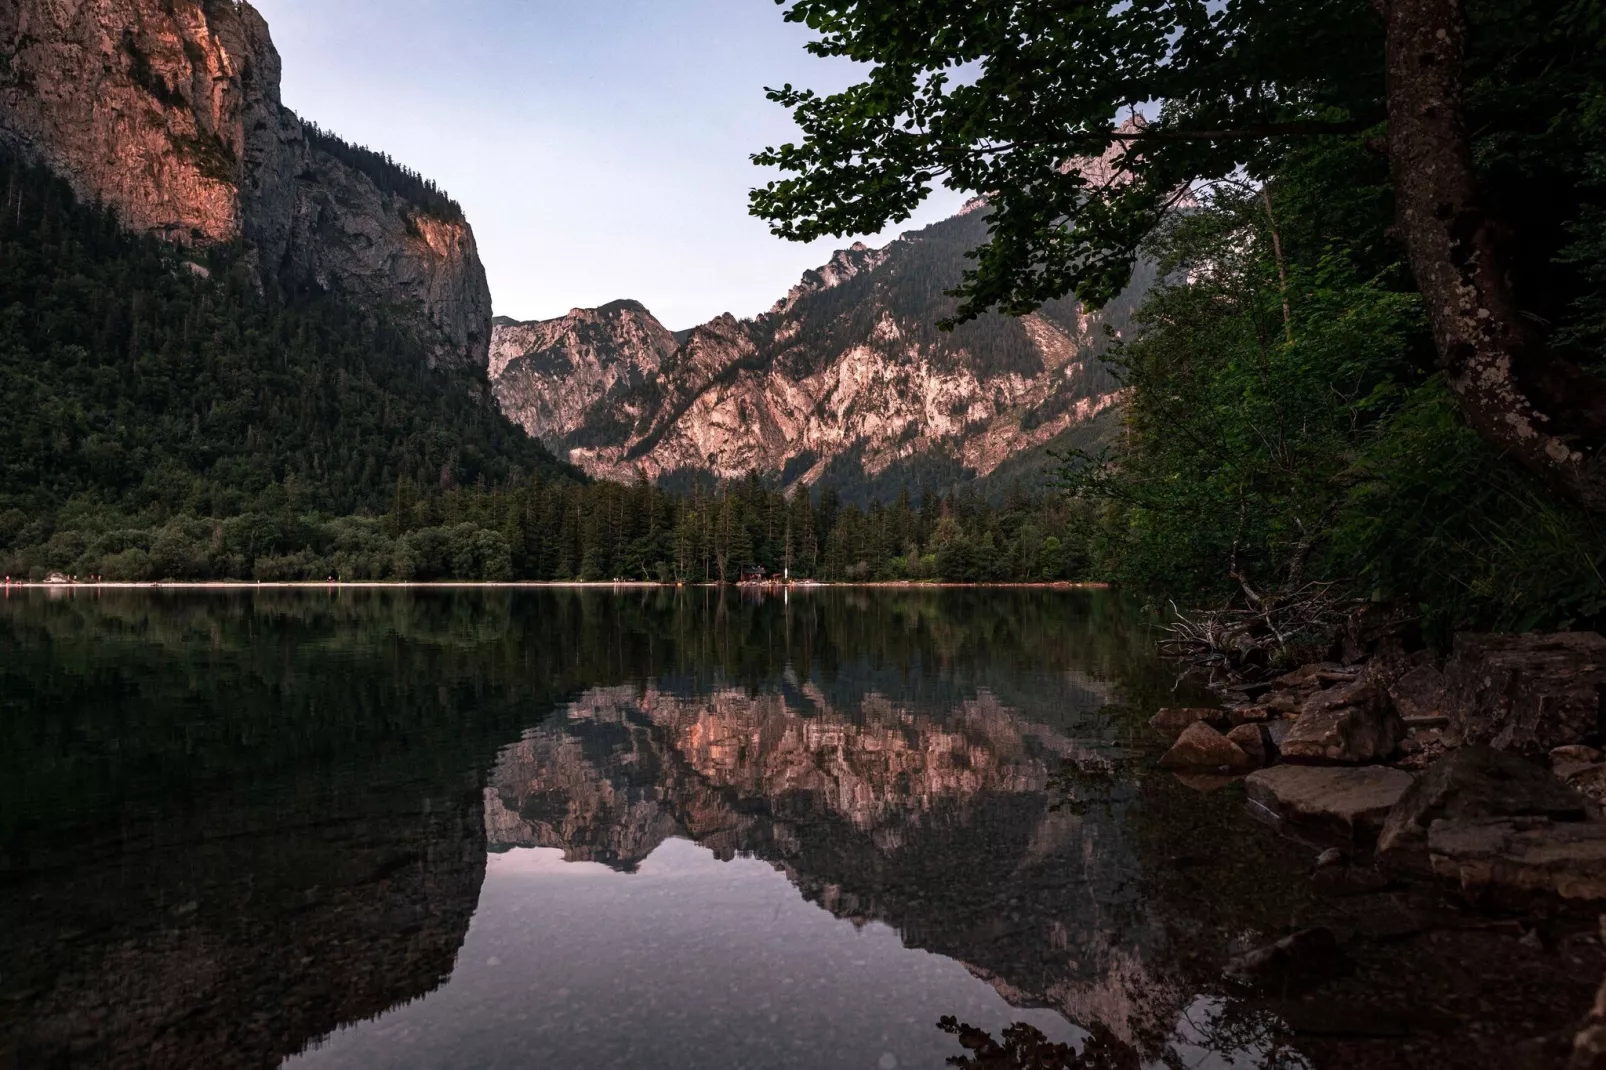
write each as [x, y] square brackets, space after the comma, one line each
[1521, 855]
[1565, 761]
[1346, 803]
[1526, 693]
[1202, 749]
[1254, 741]
[1419, 693]
[1590, 782]
[1173, 722]
[1589, 1046]
[1471, 783]
[1350, 724]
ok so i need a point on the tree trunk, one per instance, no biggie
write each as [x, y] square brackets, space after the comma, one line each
[1542, 411]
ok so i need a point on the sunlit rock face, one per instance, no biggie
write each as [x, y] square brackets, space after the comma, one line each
[551, 375]
[168, 111]
[975, 832]
[847, 377]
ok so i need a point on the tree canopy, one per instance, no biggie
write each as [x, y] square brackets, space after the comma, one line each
[1489, 114]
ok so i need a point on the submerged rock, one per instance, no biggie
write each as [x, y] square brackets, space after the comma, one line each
[1308, 955]
[1173, 722]
[1347, 803]
[1348, 724]
[1201, 748]
[1526, 693]
[1471, 783]
[1521, 855]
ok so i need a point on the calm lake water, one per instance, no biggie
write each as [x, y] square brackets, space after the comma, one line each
[666, 829]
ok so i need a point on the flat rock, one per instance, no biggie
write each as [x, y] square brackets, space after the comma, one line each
[1526, 693]
[1349, 724]
[1201, 749]
[1349, 803]
[1471, 783]
[1173, 722]
[1522, 855]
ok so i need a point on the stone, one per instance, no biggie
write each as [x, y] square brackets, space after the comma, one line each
[1338, 881]
[1589, 1046]
[1349, 724]
[1254, 741]
[1526, 693]
[1305, 675]
[1284, 702]
[1590, 782]
[1172, 722]
[1331, 857]
[1521, 855]
[1201, 749]
[1250, 715]
[1470, 783]
[1277, 731]
[1343, 802]
[1565, 761]
[1419, 693]
[1307, 955]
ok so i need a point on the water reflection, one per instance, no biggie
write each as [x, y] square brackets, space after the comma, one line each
[657, 829]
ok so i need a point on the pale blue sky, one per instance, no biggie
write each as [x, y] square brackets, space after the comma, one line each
[599, 147]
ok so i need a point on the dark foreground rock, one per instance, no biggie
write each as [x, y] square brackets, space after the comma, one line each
[1523, 855]
[1471, 783]
[1526, 693]
[1345, 803]
[1351, 724]
[1202, 749]
[1589, 1046]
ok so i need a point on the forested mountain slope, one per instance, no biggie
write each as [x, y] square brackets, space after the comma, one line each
[144, 384]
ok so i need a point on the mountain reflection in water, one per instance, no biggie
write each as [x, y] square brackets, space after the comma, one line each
[650, 829]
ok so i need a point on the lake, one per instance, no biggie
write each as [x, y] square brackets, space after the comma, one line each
[671, 829]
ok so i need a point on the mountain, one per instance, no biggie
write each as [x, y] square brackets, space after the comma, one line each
[219, 318]
[168, 112]
[846, 380]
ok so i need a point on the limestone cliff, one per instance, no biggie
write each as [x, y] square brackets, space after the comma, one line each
[168, 111]
[846, 379]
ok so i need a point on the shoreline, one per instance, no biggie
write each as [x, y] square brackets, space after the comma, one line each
[612, 585]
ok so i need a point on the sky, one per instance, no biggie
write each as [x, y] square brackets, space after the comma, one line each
[599, 147]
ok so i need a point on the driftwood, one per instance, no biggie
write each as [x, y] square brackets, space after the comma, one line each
[1260, 638]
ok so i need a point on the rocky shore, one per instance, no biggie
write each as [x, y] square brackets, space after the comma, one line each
[1479, 770]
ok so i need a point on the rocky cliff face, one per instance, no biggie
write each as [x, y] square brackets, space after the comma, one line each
[550, 375]
[168, 111]
[845, 379]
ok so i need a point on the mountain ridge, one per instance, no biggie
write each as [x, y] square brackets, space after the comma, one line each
[846, 379]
